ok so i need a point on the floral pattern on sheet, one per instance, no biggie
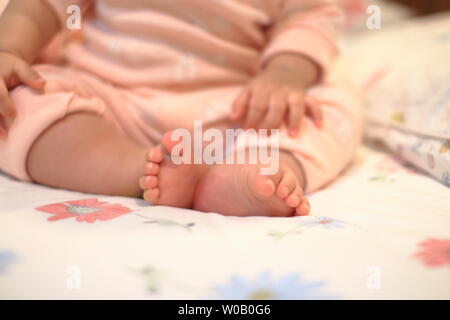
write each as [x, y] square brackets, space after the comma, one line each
[260, 286]
[266, 286]
[388, 167]
[310, 222]
[86, 210]
[166, 222]
[325, 222]
[169, 223]
[7, 258]
[153, 278]
[434, 252]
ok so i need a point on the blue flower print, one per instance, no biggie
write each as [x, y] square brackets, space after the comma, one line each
[6, 259]
[289, 287]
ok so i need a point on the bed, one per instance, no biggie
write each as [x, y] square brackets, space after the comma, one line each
[381, 231]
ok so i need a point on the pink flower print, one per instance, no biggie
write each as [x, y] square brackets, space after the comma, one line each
[89, 210]
[434, 252]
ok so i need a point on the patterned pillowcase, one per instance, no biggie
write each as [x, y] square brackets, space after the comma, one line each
[404, 75]
[431, 155]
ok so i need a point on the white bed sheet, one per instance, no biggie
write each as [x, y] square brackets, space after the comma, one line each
[382, 231]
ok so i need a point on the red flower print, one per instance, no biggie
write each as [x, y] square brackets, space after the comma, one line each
[88, 210]
[434, 252]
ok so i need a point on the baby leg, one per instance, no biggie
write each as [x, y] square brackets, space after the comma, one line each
[307, 162]
[83, 152]
[237, 189]
[69, 136]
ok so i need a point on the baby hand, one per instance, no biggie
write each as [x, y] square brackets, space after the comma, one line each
[274, 96]
[13, 71]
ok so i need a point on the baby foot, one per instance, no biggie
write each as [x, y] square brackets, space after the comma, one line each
[166, 183]
[229, 189]
[241, 190]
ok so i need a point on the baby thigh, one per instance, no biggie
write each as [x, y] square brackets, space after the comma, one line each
[61, 138]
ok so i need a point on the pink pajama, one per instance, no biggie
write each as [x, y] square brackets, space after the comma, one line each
[149, 66]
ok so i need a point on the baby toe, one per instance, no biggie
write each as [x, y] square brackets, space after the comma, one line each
[264, 186]
[155, 155]
[287, 185]
[148, 182]
[303, 208]
[151, 195]
[295, 198]
[151, 169]
[293, 201]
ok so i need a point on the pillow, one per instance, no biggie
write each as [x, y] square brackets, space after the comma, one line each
[403, 74]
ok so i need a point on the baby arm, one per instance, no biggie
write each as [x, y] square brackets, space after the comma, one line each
[25, 28]
[300, 50]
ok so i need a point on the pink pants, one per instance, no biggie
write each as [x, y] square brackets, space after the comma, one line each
[144, 114]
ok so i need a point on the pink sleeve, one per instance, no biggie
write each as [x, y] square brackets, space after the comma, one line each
[60, 7]
[307, 27]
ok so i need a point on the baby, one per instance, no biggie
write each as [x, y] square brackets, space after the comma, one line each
[102, 119]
